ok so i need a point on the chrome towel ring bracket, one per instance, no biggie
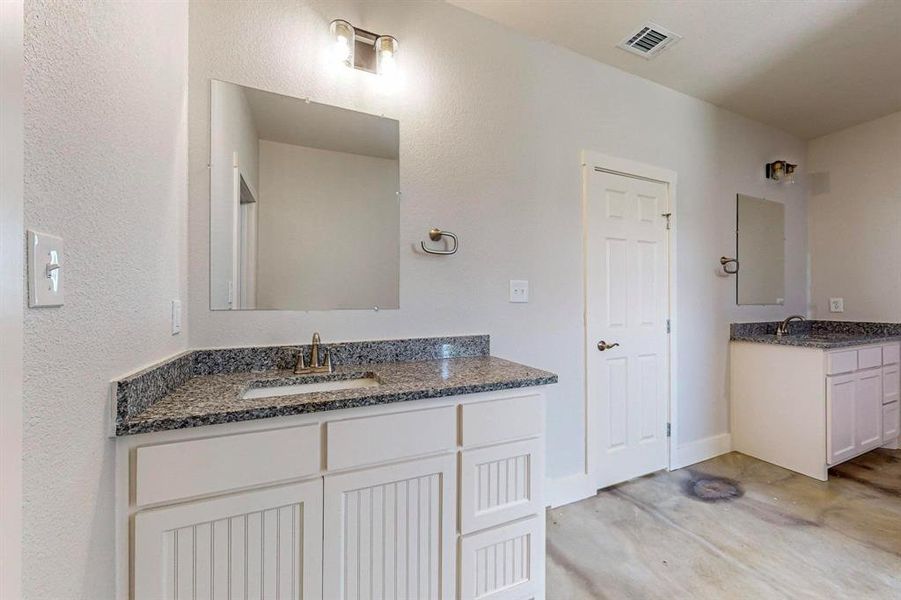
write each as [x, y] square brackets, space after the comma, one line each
[726, 261]
[435, 235]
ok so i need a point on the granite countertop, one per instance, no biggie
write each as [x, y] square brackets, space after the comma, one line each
[203, 398]
[823, 335]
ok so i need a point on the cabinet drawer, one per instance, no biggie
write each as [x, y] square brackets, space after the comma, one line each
[891, 384]
[169, 472]
[890, 422]
[505, 563]
[868, 358]
[841, 362]
[502, 420]
[371, 440]
[891, 354]
[500, 484]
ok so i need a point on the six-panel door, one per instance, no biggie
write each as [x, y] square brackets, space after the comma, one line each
[259, 544]
[392, 531]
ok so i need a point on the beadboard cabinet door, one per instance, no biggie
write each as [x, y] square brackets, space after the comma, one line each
[259, 544]
[391, 531]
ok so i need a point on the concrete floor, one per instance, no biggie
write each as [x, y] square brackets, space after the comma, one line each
[762, 532]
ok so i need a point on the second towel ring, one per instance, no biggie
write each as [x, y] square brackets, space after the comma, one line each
[435, 235]
[726, 261]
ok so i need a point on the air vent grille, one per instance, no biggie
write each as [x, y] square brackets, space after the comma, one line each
[649, 40]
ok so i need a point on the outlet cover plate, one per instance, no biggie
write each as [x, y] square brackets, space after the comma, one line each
[519, 290]
[836, 305]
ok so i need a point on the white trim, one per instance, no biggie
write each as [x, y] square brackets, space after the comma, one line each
[12, 247]
[630, 168]
[566, 490]
[700, 450]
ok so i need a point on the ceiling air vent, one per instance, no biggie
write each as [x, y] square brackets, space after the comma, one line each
[649, 40]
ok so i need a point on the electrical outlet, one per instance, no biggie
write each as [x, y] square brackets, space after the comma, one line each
[176, 317]
[519, 290]
[836, 305]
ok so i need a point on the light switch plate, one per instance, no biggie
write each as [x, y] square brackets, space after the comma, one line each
[836, 305]
[45, 270]
[519, 290]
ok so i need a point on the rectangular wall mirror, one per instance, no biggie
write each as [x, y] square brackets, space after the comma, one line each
[304, 207]
[760, 249]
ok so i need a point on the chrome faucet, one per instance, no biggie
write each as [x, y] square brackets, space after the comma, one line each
[785, 326]
[315, 366]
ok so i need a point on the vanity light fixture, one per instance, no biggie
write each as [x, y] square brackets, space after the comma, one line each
[363, 49]
[781, 171]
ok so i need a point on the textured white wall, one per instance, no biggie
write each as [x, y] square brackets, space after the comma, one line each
[855, 221]
[492, 124]
[328, 224]
[105, 168]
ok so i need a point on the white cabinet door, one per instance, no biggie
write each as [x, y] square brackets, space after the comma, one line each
[840, 416]
[891, 384]
[890, 425]
[259, 544]
[503, 563]
[391, 531]
[868, 409]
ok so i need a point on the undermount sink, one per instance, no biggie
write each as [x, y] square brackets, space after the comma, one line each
[307, 388]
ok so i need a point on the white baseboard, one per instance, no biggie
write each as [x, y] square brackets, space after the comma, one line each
[700, 450]
[566, 490]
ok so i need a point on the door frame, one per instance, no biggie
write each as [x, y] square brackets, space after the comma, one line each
[592, 161]
[12, 296]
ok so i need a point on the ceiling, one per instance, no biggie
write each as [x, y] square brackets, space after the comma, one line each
[809, 67]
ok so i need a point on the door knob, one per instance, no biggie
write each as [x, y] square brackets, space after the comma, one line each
[602, 345]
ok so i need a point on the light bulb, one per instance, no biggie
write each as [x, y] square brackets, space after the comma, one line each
[343, 47]
[386, 55]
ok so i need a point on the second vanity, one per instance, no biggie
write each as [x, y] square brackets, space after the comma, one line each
[817, 396]
[425, 481]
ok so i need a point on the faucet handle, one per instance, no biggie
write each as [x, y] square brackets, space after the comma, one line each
[328, 361]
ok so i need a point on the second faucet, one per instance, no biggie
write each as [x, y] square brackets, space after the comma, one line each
[315, 367]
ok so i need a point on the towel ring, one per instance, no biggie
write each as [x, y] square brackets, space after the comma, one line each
[435, 235]
[726, 261]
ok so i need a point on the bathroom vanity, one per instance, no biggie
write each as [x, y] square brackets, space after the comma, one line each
[821, 395]
[424, 482]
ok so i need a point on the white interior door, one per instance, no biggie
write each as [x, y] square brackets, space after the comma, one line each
[627, 304]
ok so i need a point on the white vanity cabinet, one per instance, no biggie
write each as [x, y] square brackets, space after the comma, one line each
[427, 499]
[790, 403]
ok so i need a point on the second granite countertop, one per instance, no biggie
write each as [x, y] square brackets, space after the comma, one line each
[822, 335]
[213, 399]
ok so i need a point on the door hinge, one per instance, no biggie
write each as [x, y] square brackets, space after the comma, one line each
[669, 326]
[667, 215]
[669, 430]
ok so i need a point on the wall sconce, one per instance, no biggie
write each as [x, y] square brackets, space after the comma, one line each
[781, 170]
[363, 49]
